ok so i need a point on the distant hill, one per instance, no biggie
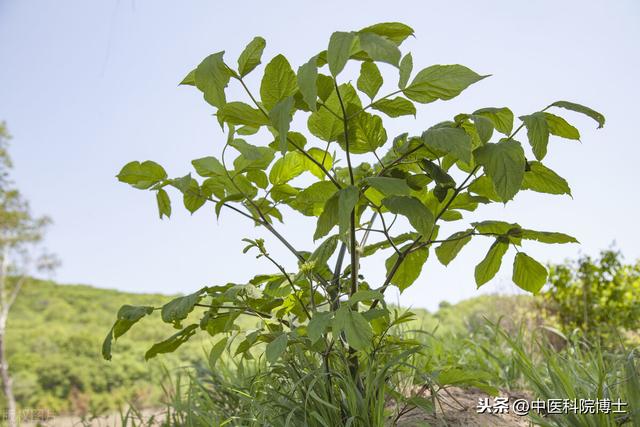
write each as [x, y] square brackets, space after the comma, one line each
[54, 337]
[55, 334]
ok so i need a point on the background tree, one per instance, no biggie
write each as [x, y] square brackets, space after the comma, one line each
[20, 233]
[599, 296]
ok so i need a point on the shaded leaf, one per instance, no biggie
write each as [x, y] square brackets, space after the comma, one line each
[395, 107]
[278, 82]
[212, 77]
[251, 56]
[276, 347]
[307, 82]
[490, 265]
[339, 50]
[543, 180]
[537, 133]
[504, 163]
[581, 109]
[418, 214]
[449, 140]
[448, 250]
[409, 270]
[379, 48]
[370, 79]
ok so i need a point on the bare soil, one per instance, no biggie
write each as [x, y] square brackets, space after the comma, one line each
[458, 408]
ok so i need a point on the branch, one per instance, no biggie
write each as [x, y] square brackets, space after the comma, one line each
[403, 254]
[352, 228]
[289, 140]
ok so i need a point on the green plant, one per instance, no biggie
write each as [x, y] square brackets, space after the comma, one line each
[600, 297]
[581, 371]
[332, 319]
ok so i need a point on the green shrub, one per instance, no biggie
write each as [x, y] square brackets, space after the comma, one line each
[600, 297]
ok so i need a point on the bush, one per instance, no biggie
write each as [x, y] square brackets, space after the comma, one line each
[600, 297]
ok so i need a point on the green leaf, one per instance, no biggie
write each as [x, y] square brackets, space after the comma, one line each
[366, 134]
[251, 56]
[495, 227]
[483, 186]
[328, 218]
[307, 82]
[449, 140]
[179, 308]
[216, 351]
[325, 86]
[389, 186]
[528, 273]
[172, 343]
[406, 66]
[193, 198]
[325, 124]
[409, 270]
[212, 77]
[395, 31]
[239, 113]
[548, 236]
[543, 180]
[311, 200]
[560, 127]
[128, 315]
[252, 157]
[581, 109]
[384, 244]
[208, 167]
[437, 174]
[490, 265]
[357, 330]
[504, 163]
[164, 203]
[318, 325]
[281, 117]
[448, 250]
[379, 48]
[286, 168]
[370, 79]
[537, 133]
[395, 107]
[189, 79]
[418, 214]
[502, 118]
[276, 347]
[278, 82]
[323, 158]
[326, 249]
[440, 82]
[347, 200]
[106, 345]
[339, 50]
[142, 175]
[366, 295]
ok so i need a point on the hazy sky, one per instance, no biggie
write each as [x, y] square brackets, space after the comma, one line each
[87, 86]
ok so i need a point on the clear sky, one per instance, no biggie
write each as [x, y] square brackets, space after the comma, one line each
[87, 86]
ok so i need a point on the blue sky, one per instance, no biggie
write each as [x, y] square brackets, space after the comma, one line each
[86, 87]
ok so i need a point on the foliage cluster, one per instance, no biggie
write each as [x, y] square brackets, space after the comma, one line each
[600, 297]
[326, 315]
[54, 336]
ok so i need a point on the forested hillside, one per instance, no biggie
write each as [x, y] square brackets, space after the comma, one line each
[54, 338]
